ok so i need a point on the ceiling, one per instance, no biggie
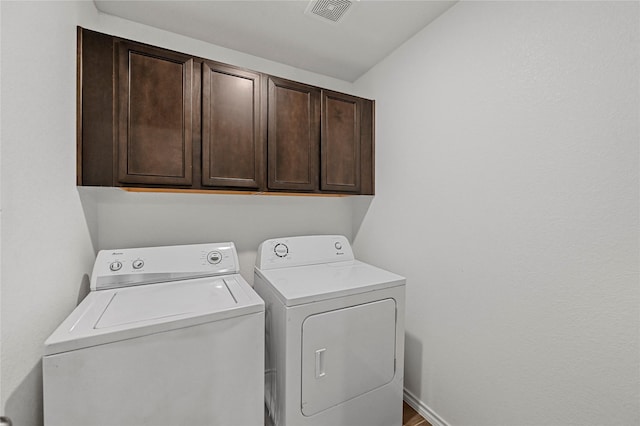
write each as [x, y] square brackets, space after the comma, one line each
[281, 31]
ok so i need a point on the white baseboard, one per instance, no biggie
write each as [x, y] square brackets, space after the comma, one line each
[423, 410]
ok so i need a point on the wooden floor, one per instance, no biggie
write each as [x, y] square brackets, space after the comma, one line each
[411, 418]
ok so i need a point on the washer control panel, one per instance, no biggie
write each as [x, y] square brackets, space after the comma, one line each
[299, 251]
[146, 265]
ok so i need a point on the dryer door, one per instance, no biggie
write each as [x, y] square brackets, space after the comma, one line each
[346, 353]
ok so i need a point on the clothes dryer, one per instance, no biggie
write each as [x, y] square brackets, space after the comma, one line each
[167, 336]
[334, 334]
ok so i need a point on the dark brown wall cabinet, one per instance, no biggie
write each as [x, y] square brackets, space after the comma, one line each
[155, 116]
[232, 136]
[294, 135]
[340, 145]
[149, 117]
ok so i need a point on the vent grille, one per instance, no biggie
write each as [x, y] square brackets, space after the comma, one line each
[331, 10]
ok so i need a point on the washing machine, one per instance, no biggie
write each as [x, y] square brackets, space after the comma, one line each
[334, 334]
[167, 336]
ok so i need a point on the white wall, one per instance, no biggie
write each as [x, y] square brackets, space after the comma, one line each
[507, 148]
[50, 230]
[45, 238]
[142, 219]
[0, 218]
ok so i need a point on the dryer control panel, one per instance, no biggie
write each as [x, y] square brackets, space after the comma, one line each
[299, 251]
[146, 265]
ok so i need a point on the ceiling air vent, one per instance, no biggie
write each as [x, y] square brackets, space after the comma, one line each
[328, 10]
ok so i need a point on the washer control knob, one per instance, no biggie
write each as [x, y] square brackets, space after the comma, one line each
[138, 263]
[115, 266]
[338, 245]
[281, 250]
[214, 257]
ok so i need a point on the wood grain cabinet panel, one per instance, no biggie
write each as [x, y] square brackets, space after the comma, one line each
[232, 139]
[293, 135]
[340, 146]
[95, 109]
[151, 117]
[367, 147]
[155, 116]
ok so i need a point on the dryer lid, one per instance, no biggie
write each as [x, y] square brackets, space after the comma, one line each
[313, 283]
[107, 316]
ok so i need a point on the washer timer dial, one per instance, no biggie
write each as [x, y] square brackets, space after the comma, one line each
[115, 266]
[281, 250]
[214, 257]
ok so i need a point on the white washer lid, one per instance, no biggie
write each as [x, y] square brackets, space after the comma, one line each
[123, 313]
[306, 284]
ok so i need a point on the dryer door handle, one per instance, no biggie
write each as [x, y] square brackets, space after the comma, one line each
[320, 363]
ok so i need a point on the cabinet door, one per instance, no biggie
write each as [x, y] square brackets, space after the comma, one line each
[294, 135]
[232, 139]
[340, 148]
[155, 116]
